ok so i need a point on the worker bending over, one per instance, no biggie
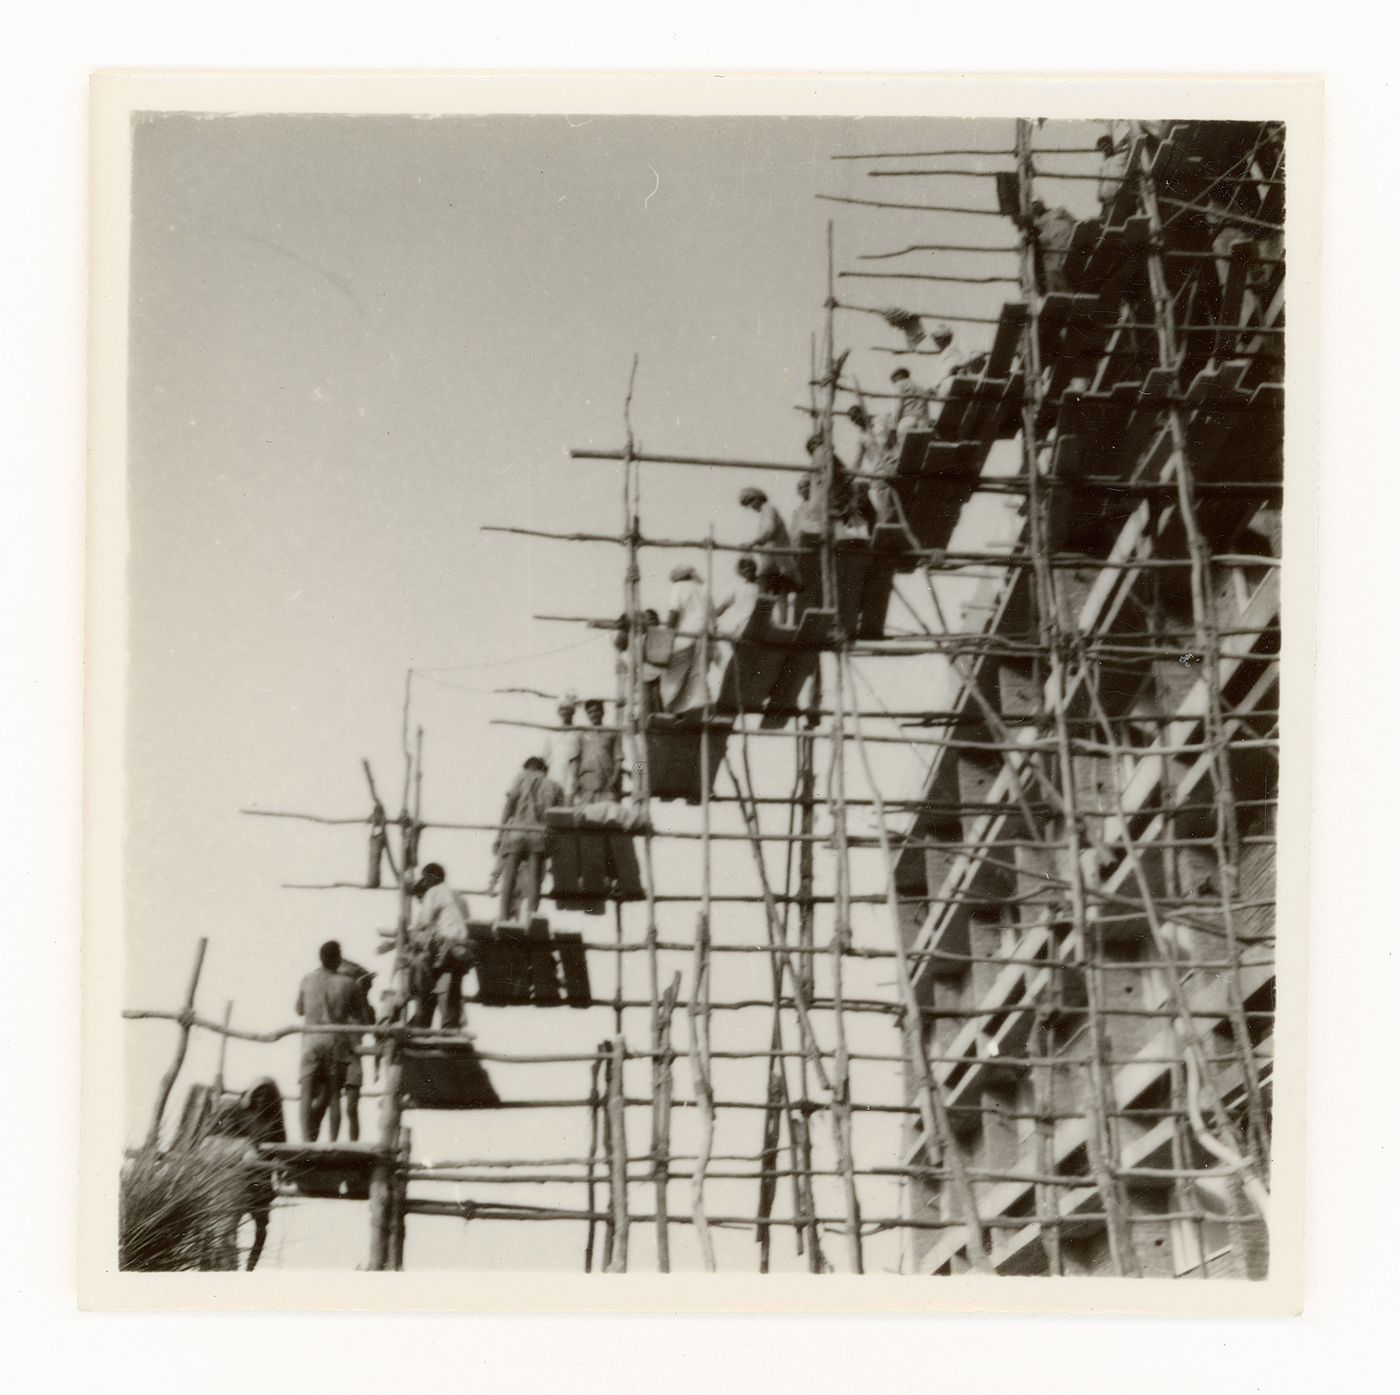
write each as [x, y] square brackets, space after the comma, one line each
[439, 948]
[778, 574]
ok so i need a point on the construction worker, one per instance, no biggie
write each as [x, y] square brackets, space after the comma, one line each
[326, 998]
[776, 572]
[600, 768]
[734, 610]
[561, 749]
[875, 455]
[946, 359]
[683, 685]
[806, 519]
[1114, 169]
[440, 948]
[524, 837]
[1054, 231]
[353, 1083]
[841, 501]
[772, 546]
[911, 413]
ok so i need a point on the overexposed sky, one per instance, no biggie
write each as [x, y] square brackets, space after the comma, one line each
[355, 340]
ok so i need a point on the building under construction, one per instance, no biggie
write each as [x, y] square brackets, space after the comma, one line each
[983, 986]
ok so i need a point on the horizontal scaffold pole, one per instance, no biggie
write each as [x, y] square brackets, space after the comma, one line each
[941, 557]
[907, 841]
[1029, 747]
[992, 484]
[503, 1211]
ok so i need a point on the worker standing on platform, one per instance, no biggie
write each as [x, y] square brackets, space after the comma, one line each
[1054, 231]
[734, 610]
[875, 455]
[911, 413]
[524, 837]
[944, 362]
[690, 617]
[561, 748]
[772, 546]
[840, 500]
[326, 998]
[599, 769]
[350, 1087]
[441, 948]
[1113, 172]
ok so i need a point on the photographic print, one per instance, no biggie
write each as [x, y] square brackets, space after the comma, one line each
[689, 688]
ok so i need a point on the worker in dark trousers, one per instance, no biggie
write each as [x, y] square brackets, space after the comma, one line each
[327, 998]
[348, 1101]
[524, 837]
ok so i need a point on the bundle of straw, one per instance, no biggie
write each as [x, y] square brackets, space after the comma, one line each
[180, 1211]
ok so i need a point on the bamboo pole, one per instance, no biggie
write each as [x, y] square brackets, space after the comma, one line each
[779, 951]
[383, 1201]
[1203, 611]
[948, 558]
[698, 1012]
[182, 1042]
[836, 792]
[503, 1211]
[1046, 1199]
[1098, 1136]
[223, 1049]
[398, 1227]
[932, 1108]
[591, 1189]
[661, 1122]
[617, 1156]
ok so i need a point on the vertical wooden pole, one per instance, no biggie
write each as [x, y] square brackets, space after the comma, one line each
[1047, 1197]
[223, 1050]
[400, 1213]
[617, 1155]
[594, 1102]
[383, 1180]
[836, 795]
[182, 1043]
[933, 1111]
[806, 939]
[383, 1185]
[1226, 834]
[1099, 1135]
[661, 1122]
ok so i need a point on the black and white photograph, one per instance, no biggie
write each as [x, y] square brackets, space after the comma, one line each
[694, 691]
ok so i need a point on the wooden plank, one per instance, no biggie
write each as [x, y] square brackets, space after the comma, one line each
[1007, 342]
[875, 596]
[912, 451]
[623, 869]
[446, 1075]
[813, 630]
[673, 753]
[573, 962]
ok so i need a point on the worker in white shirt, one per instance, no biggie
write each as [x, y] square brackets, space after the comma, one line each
[561, 749]
[441, 948]
[690, 616]
[946, 358]
[911, 412]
